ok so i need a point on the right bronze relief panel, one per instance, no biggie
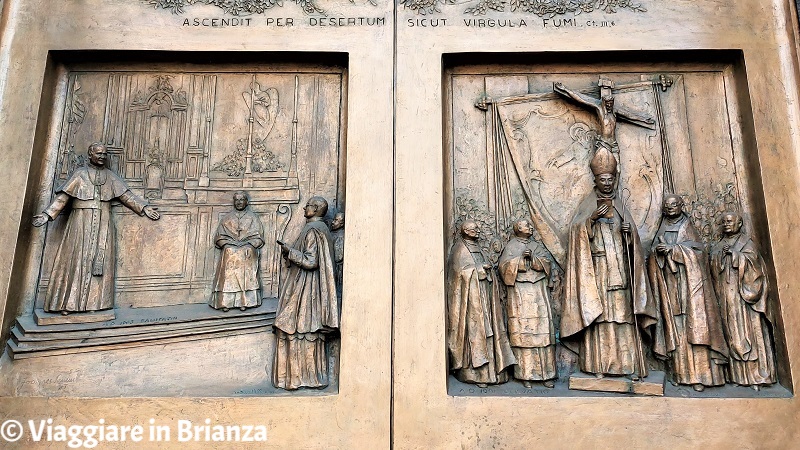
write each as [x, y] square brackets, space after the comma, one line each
[605, 230]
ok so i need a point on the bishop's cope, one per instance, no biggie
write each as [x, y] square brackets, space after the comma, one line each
[607, 305]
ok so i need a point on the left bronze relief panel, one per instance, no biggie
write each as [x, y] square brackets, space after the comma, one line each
[165, 195]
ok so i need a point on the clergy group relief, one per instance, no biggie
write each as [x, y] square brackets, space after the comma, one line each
[601, 235]
[236, 177]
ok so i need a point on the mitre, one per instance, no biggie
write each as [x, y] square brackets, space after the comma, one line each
[603, 162]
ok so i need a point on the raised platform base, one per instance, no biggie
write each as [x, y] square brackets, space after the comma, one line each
[137, 327]
[652, 385]
[45, 318]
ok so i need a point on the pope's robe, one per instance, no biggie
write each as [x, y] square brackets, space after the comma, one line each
[528, 305]
[477, 339]
[308, 311]
[83, 272]
[236, 283]
[740, 281]
[600, 298]
[693, 334]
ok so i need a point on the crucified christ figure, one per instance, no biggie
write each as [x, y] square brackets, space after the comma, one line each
[607, 113]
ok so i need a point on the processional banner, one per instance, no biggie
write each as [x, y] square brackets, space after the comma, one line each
[540, 149]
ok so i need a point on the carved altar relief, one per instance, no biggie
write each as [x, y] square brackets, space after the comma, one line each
[185, 142]
[672, 131]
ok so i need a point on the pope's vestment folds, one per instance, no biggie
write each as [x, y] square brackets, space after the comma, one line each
[85, 264]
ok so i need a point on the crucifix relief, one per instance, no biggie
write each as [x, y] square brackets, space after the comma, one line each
[582, 309]
[608, 112]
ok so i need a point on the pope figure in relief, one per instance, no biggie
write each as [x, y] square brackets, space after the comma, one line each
[607, 293]
[83, 271]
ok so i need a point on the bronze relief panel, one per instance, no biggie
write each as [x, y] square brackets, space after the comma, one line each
[241, 173]
[604, 234]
